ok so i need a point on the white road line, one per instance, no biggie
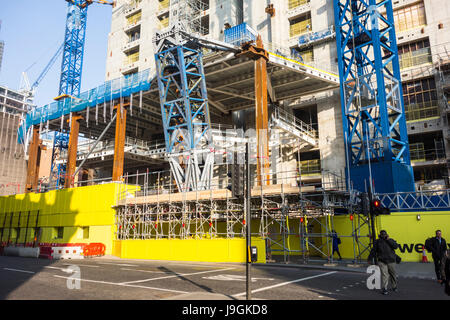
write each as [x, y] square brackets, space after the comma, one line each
[194, 265]
[149, 271]
[177, 275]
[119, 264]
[125, 285]
[55, 268]
[17, 270]
[80, 265]
[285, 283]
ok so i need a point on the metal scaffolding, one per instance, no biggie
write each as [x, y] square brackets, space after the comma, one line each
[281, 213]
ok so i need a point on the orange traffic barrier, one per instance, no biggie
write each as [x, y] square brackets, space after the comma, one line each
[424, 256]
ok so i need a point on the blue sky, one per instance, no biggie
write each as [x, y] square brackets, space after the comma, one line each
[33, 31]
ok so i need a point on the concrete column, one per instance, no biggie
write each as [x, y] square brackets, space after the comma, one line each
[72, 151]
[119, 145]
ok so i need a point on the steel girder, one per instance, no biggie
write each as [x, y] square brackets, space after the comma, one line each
[185, 115]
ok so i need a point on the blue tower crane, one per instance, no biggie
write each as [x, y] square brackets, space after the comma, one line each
[184, 105]
[373, 114]
[71, 67]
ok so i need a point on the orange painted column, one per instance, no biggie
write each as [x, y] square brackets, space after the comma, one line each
[262, 116]
[119, 145]
[33, 162]
[72, 150]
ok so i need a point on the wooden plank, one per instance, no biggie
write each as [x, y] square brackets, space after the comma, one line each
[220, 194]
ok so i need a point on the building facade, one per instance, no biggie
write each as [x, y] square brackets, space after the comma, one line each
[13, 165]
[304, 30]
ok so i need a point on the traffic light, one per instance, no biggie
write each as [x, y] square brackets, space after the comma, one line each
[364, 203]
[378, 209]
[236, 180]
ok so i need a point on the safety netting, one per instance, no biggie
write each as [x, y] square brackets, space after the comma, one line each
[111, 90]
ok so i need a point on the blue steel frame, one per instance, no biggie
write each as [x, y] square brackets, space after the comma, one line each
[374, 123]
[71, 69]
[183, 97]
[74, 38]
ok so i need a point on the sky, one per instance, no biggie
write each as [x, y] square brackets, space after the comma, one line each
[33, 31]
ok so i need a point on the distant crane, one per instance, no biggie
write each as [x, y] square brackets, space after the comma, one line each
[30, 90]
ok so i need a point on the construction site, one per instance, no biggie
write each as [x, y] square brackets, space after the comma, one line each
[289, 117]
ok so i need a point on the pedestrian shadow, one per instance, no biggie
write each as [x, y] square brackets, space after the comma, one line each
[201, 286]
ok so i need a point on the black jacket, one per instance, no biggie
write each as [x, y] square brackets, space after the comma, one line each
[438, 250]
[384, 250]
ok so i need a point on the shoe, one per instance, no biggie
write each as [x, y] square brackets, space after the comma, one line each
[384, 292]
[394, 289]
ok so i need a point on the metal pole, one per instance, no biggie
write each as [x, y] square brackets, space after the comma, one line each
[248, 226]
[372, 220]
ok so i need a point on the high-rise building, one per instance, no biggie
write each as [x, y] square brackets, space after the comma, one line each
[13, 167]
[304, 30]
[2, 48]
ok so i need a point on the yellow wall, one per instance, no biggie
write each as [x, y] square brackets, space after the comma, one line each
[403, 227]
[92, 207]
[72, 209]
[207, 250]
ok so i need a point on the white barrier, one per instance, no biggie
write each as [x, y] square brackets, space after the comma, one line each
[67, 253]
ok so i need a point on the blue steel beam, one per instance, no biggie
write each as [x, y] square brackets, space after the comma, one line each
[185, 115]
[184, 104]
[373, 112]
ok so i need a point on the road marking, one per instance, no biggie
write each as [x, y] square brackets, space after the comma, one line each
[119, 264]
[177, 275]
[196, 265]
[55, 268]
[125, 285]
[149, 271]
[17, 270]
[80, 265]
[286, 283]
[233, 277]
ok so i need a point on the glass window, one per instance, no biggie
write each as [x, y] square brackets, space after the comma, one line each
[410, 17]
[296, 3]
[420, 98]
[300, 25]
[414, 54]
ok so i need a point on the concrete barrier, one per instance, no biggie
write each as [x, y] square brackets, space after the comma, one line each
[21, 252]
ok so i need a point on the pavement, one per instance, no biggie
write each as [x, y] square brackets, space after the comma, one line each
[417, 270]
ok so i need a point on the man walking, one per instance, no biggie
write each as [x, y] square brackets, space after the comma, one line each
[438, 249]
[384, 251]
[336, 243]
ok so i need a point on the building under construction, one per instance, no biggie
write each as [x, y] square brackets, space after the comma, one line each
[155, 158]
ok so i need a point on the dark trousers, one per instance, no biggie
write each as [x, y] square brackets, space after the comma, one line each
[337, 250]
[438, 267]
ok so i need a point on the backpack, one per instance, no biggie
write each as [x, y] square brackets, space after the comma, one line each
[429, 244]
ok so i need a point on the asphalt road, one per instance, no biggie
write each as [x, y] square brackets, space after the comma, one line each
[114, 279]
